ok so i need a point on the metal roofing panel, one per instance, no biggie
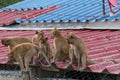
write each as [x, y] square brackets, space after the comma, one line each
[34, 4]
[105, 55]
[72, 10]
[78, 10]
[8, 17]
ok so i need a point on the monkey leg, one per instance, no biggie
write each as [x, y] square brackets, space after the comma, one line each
[79, 62]
[27, 59]
[46, 58]
[57, 55]
[83, 62]
[21, 63]
[72, 59]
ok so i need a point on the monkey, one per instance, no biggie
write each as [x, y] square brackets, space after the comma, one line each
[78, 51]
[61, 46]
[40, 40]
[44, 44]
[13, 41]
[38, 35]
[23, 53]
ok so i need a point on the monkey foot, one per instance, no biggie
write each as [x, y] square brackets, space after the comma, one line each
[24, 71]
[81, 68]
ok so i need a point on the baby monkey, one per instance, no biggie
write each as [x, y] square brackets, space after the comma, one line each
[78, 51]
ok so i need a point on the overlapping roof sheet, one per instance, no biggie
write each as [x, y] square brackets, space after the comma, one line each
[9, 17]
[71, 10]
[103, 47]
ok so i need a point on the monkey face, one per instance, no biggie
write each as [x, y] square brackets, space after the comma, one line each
[5, 41]
[70, 38]
[55, 32]
[40, 34]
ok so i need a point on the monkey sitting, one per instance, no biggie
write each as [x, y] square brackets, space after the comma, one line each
[13, 41]
[61, 46]
[78, 51]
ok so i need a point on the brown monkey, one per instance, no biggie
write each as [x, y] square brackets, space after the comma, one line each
[44, 45]
[13, 41]
[61, 46]
[23, 53]
[40, 40]
[38, 35]
[78, 51]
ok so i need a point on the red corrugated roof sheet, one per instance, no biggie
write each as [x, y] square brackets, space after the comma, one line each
[103, 47]
[8, 17]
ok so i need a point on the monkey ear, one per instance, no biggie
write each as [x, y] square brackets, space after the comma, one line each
[36, 32]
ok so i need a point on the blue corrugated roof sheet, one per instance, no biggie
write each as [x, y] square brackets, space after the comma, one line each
[35, 4]
[72, 10]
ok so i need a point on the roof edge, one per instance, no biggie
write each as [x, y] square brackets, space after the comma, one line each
[72, 25]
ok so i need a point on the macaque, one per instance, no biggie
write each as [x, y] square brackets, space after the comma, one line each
[13, 41]
[78, 51]
[38, 35]
[44, 45]
[41, 41]
[61, 46]
[23, 53]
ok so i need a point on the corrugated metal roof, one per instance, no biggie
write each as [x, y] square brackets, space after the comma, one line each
[103, 46]
[34, 4]
[79, 10]
[8, 17]
[72, 10]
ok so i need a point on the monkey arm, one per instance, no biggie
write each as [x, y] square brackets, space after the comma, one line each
[43, 53]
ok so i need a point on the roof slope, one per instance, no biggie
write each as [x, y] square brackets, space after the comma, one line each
[9, 17]
[34, 4]
[103, 46]
[72, 10]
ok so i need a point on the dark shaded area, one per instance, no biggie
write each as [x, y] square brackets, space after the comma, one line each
[62, 74]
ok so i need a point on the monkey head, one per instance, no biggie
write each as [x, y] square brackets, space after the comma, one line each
[40, 34]
[55, 33]
[44, 40]
[5, 41]
[71, 38]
